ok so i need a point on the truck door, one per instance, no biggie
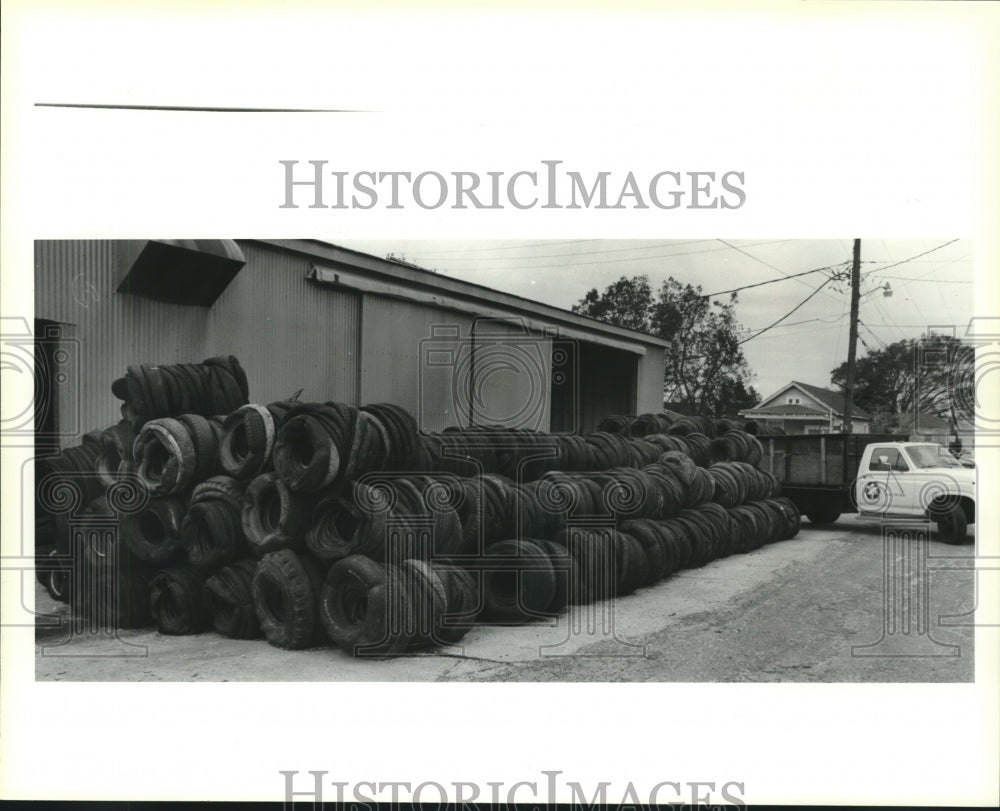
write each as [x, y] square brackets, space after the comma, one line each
[884, 485]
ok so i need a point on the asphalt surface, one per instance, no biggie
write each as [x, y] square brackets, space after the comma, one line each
[836, 604]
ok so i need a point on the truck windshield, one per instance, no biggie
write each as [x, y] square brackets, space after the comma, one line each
[932, 456]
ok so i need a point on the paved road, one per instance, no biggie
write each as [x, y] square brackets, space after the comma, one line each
[796, 611]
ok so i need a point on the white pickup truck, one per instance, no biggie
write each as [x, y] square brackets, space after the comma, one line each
[879, 477]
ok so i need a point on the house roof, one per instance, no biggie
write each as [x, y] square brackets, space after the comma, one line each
[787, 408]
[834, 400]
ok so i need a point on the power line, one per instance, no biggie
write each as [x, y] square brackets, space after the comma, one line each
[571, 265]
[761, 261]
[550, 243]
[658, 245]
[832, 321]
[772, 281]
[796, 307]
[904, 261]
[862, 323]
[929, 279]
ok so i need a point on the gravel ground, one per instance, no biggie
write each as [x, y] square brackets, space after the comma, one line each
[795, 611]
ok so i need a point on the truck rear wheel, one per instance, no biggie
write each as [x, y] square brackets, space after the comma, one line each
[952, 525]
[823, 515]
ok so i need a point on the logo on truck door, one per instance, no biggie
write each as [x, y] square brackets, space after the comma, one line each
[872, 492]
[876, 496]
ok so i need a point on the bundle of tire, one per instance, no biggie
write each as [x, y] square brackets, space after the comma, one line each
[76, 466]
[215, 386]
[640, 425]
[173, 454]
[194, 543]
[115, 458]
[736, 446]
[248, 438]
[393, 518]
[696, 445]
[755, 428]
[105, 585]
[527, 579]
[323, 446]
[514, 453]
[65, 482]
[657, 490]
[737, 482]
[368, 608]
[527, 455]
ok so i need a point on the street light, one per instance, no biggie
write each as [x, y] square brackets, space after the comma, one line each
[886, 291]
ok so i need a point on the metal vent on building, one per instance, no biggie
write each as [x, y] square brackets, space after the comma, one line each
[184, 271]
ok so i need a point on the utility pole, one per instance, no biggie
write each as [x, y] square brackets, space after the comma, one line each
[852, 345]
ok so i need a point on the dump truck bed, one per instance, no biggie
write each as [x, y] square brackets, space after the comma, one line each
[818, 460]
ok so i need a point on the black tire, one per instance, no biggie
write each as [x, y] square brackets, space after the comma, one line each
[154, 533]
[345, 598]
[952, 525]
[429, 600]
[521, 588]
[229, 599]
[274, 517]
[463, 603]
[565, 571]
[56, 578]
[177, 601]
[286, 589]
[823, 515]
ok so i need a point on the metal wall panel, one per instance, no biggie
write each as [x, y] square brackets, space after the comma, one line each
[331, 342]
[511, 380]
[75, 285]
[288, 333]
[650, 383]
[409, 354]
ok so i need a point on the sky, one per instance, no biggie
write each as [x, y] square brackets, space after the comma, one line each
[930, 280]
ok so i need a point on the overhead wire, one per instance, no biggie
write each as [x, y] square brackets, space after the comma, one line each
[772, 281]
[761, 261]
[657, 245]
[572, 265]
[796, 307]
[912, 258]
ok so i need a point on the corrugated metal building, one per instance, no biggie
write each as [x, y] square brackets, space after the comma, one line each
[334, 323]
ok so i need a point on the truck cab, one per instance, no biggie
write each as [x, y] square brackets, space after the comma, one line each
[916, 480]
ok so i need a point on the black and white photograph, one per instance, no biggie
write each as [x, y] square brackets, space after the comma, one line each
[651, 482]
[500, 403]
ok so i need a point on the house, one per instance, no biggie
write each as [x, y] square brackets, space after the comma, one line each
[798, 408]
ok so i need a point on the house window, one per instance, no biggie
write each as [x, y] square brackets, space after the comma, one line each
[794, 400]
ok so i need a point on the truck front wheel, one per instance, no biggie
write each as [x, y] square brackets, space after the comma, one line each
[952, 525]
[823, 515]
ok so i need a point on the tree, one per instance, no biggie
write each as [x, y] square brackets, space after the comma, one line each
[705, 369]
[932, 375]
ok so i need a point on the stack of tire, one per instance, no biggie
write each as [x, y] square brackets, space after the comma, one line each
[67, 482]
[215, 386]
[306, 523]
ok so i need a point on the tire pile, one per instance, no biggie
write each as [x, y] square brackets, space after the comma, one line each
[672, 422]
[311, 523]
